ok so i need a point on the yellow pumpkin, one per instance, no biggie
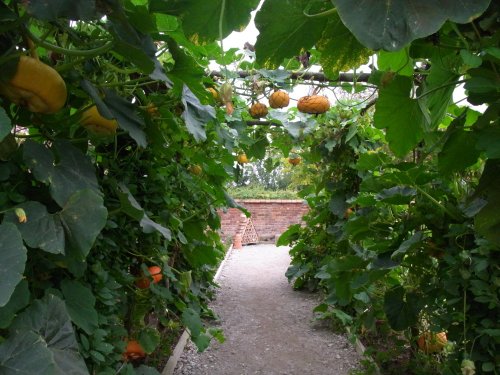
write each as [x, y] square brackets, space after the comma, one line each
[36, 86]
[313, 104]
[430, 342]
[215, 93]
[258, 110]
[242, 158]
[279, 99]
[195, 169]
[96, 124]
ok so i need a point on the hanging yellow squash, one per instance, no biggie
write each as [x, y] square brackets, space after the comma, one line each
[36, 86]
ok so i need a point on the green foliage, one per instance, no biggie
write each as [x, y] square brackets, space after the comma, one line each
[403, 228]
[285, 30]
[258, 192]
[15, 255]
[393, 241]
[391, 26]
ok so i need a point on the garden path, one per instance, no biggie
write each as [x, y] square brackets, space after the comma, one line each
[268, 326]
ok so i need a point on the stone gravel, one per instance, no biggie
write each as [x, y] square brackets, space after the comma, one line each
[269, 327]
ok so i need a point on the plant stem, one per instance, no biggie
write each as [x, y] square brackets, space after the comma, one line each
[436, 202]
[322, 14]
[120, 70]
[221, 21]
[441, 87]
[87, 53]
[114, 84]
[460, 35]
[465, 318]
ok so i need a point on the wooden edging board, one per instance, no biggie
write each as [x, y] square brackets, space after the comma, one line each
[360, 349]
[181, 344]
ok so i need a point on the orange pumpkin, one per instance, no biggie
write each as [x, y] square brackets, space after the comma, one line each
[144, 282]
[348, 212]
[279, 99]
[313, 104]
[258, 110]
[133, 351]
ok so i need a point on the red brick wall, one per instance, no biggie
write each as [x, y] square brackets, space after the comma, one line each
[270, 217]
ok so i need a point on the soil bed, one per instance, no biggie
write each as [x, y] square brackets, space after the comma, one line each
[269, 327]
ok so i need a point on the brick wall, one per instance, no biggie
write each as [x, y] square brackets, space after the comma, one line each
[270, 217]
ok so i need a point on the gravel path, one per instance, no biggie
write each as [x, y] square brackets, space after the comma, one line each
[268, 326]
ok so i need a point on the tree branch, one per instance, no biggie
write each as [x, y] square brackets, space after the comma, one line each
[306, 76]
[262, 122]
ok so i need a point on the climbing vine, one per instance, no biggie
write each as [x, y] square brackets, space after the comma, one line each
[117, 142]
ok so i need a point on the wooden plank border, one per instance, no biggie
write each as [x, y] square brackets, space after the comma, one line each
[183, 340]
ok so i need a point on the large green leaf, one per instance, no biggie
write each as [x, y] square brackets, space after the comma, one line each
[50, 11]
[5, 124]
[139, 17]
[200, 255]
[459, 151]
[438, 87]
[401, 308]
[131, 207]
[340, 50]
[400, 114]
[80, 303]
[73, 172]
[83, 218]
[482, 86]
[196, 115]
[8, 146]
[49, 319]
[13, 261]
[391, 25]
[149, 339]
[146, 370]
[135, 46]
[19, 300]
[41, 230]
[399, 62]
[397, 195]
[191, 319]
[126, 114]
[298, 129]
[284, 30]
[26, 353]
[487, 221]
[76, 225]
[39, 159]
[488, 140]
[200, 18]
[187, 71]
[290, 235]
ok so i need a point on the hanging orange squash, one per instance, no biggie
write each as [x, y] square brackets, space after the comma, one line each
[313, 104]
[279, 99]
[258, 110]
